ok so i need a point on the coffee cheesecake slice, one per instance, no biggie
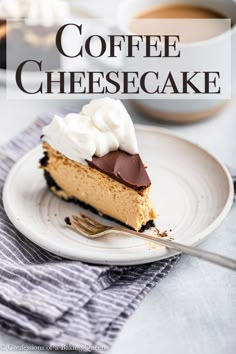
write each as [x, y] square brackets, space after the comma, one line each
[92, 159]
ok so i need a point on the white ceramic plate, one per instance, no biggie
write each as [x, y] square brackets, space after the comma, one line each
[191, 190]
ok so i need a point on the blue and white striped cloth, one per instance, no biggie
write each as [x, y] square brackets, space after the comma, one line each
[48, 300]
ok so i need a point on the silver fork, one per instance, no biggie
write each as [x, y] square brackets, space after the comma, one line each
[93, 229]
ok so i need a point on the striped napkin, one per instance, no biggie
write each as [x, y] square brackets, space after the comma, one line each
[51, 301]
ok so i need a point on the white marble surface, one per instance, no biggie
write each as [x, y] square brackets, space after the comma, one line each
[193, 310]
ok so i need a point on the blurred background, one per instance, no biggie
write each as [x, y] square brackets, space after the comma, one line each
[216, 134]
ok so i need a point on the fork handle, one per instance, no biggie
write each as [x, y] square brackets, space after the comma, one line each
[192, 251]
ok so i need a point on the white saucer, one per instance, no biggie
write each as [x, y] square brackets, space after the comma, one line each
[191, 190]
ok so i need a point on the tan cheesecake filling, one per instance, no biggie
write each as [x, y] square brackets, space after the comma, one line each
[98, 190]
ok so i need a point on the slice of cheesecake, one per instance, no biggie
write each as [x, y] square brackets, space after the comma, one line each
[112, 183]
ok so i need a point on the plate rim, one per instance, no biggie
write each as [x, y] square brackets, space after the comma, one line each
[166, 253]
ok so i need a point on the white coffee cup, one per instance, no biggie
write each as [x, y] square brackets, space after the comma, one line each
[181, 110]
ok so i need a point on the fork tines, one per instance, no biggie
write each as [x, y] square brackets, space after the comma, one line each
[85, 225]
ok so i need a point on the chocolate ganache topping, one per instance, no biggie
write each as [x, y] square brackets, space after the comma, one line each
[123, 167]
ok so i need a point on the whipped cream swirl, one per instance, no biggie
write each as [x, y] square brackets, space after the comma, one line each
[44, 12]
[102, 126]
